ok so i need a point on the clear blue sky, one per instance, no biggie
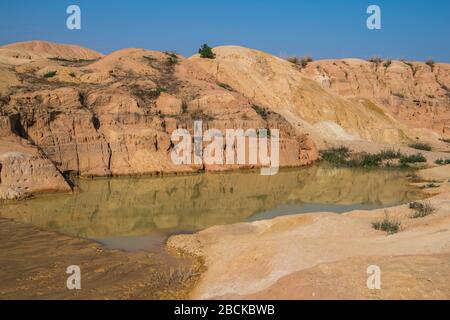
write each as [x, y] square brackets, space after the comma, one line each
[411, 29]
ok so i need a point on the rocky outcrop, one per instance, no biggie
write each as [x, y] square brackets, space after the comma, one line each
[24, 170]
[116, 115]
[415, 93]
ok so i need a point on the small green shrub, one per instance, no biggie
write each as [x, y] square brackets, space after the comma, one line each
[157, 91]
[172, 58]
[389, 154]
[184, 107]
[375, 59]
[336, 156]
[388, 225]
[387, 63]
[300, 61]
[420, 146]
[145, 94]
[150, 59]
[371, 160]
[225, 86]
[50, 74]
[442, 161]
[430, 63]
[363, 160]
[421, 210]
[72, 74]
[430, 185]
[412, 159]
[294, 60]
[261, 111]
[206, 52]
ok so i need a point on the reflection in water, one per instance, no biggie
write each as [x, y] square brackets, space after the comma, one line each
[113, 210]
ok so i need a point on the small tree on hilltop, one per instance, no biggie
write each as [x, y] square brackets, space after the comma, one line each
[206, 52]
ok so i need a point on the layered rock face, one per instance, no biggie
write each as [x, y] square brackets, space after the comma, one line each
[115, 116]
[96, 115]
[415, 93]
[282, 87]
[23, 168]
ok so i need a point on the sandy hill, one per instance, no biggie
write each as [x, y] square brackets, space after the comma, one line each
[24, 52]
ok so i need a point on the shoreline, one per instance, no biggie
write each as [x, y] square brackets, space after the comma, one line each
[237, 265]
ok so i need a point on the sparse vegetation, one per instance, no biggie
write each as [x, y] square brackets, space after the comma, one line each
[421, 209]
[411, 66]
[151, 94]
[336, 156]
[199, 114]
[72, 60]
[206, 52]
[430, 185]
[445, 140]
[387, 224]
[149, 59]
[172, 58]
[225, 86]
[390, 154]
[430, 63]
[387, 63]
[157, 91]
[300, 61]
[72, 74]
[442, 161]
[420, 146]
[364, 160]
[399, 95]
[174, 277]
[415, 158]
[343, 157]
[184, 107]
[50, 74]
[261, 111]
[376, 60]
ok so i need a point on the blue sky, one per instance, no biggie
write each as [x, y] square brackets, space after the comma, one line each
[414, 29]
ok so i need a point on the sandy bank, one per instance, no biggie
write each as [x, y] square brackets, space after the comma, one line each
[320, 255]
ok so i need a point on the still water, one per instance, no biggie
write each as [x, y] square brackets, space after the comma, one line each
[140, 213]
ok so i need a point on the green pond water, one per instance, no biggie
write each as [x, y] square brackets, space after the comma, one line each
[140, 213]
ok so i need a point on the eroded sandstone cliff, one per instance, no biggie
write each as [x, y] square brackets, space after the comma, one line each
[92, 115]
[114, 115]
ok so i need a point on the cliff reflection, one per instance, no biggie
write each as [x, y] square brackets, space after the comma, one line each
[123, 207]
